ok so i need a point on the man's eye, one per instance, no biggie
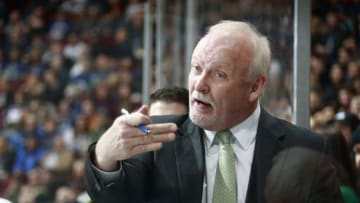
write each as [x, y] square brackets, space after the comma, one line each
[197, 68]
[220, 75]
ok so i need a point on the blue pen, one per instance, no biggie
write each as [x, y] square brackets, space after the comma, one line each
[142, 127]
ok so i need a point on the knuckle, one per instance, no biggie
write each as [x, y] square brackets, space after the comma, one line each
[145, 139]
[122, 144]
[139, 149]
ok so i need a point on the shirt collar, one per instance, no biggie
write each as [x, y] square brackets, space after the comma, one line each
[244, 132]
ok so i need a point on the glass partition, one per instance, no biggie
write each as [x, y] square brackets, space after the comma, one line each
[274, 19]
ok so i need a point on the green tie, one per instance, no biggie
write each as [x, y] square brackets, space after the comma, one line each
[225, 180]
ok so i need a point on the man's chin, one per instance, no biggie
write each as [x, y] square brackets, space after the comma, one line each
[206, 122]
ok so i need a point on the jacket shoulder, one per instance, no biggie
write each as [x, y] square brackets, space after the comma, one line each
[292, 134]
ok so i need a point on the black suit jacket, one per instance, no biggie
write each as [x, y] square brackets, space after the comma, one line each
[176, 172]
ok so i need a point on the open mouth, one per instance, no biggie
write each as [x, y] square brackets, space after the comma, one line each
[202, 104]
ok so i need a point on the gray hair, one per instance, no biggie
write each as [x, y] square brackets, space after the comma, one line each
[261, 62]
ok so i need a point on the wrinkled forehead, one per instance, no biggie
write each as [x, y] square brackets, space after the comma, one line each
[217, 46]
[211, 48]
[211, 40]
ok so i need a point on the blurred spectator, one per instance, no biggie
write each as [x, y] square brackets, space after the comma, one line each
[122, 46]
[60, 27]
[81, 73]
[346, 167]
[318, 76]
[74, 48]
[52, 87]
[344, 56]
[336, 76]
[58, 159]
[65, 194]
[125, 97]
[355, 85]
[35, 20]
[33, 63]
[323, 119]
[169, 101]
[32, 87]
[346, 123]
[355, 146]
[78, 177]
[13, 189]
[30, 125]
[335, 33]
[13, 69]
[316, 100]
[74, 6]
[14, 18]
[49, 131]
[15, 31]
[32, 188]
[7, 159]
[353, 71]
[84, 132]
[302, 175]
[344, 98]
[29, 157]
[355, 106]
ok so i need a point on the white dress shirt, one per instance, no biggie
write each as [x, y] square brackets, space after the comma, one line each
[243, 144]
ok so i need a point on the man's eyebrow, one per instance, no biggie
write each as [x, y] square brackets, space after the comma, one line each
[223, 65]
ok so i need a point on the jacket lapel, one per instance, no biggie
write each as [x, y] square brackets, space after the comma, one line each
[268, 143]
[189, 154]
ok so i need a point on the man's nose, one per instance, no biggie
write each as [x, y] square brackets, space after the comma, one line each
[201, 84]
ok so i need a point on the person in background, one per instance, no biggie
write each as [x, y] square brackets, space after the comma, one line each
[32, 188]
[355, 106]
[59, 159]
[346, 123]
[227, 129]
[355, 153]
[355, 143]
[302, 175]
[169, 101]
[29, 157]
[346, 168]
[7, 159]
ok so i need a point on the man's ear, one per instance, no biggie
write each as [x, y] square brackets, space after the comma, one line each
[257, 88]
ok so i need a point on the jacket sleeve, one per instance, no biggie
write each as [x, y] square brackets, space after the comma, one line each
[124, 185]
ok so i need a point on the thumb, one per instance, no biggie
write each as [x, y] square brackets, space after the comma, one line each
[144, 109]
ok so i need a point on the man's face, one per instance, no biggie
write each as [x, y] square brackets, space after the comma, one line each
[167, 108]
[218, 82]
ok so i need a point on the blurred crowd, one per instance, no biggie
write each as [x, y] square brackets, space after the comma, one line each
[66, 70]
[68, 67]
[335, 82]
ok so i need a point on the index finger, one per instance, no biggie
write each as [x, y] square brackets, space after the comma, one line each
[161, 128]
[137, 118]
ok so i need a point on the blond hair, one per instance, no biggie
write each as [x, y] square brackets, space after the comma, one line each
[261, 62]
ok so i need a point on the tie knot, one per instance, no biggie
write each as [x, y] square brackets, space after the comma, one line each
[224, 136]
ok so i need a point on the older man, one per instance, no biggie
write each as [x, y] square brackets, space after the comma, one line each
[222, 152]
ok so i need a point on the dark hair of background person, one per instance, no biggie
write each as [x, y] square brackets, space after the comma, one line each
[341, 154]
[171, 94]
[302, 175]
